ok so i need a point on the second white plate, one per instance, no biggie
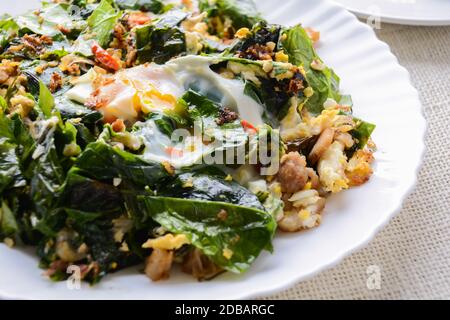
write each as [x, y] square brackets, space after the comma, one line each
[409, 12]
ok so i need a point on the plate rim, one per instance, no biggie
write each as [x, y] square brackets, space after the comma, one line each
[397, 19]
[358, 245]
[424, 127]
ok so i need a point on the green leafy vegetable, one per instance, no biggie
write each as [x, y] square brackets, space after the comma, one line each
[10, 173]
[155, 6]
[103, 162]
[8, 28]
[8, 224]
[205, 186]
[47, 173]
[162, 40]
[47, 20]
[73, 110]
[270, 92]
[325, 83]
[243, 13]
[83, 190]
[206, 113]
[14, 134]
[362, 132]
[46, 100]
[102, 22]
[166, 122]
[232, 236]
[86, 195]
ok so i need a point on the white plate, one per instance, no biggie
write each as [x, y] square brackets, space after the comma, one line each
[11, 7]
[410, 12]
[382, 94]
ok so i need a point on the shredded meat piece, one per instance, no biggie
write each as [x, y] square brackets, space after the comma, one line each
[7, 69]
[3, 76]
[119, 36]
[314, 178]
[95, 101]
[131, 57]
[158, 265]
[293, 222]
[56, 266]
[56, 82]
[257, 52]
[135, 19]
[200, 266]
[46, 40]
[64, 29]
[36, 43]
[71, 64]
[226, 116]
[293, 175]
[93, 268]
[345, 138]
[288, 206]
[359, 169]
[296, 84]
[324, 142]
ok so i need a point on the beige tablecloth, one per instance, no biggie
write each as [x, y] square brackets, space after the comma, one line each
[413, 252]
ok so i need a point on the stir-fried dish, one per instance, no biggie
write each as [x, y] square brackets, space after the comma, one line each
[167, 132]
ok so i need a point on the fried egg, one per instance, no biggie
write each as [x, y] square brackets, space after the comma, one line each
[154, 88]
[151, 88]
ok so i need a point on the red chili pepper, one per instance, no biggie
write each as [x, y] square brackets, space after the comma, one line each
[104, 57]
[249, 127]
[138, 18]
[118, 125]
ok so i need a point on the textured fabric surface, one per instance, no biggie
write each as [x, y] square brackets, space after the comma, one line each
[413, 251]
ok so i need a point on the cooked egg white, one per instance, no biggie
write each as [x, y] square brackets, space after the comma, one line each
[144, 88]
[157, 88]
[195, 72]
[153, 87]
[161, 148]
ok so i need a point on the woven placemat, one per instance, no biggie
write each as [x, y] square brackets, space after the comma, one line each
[413, 252]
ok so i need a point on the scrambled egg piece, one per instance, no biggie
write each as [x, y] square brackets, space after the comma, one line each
[167, 242]
[331, 168]
[359, 168]
[294, 127]
[242, 33]
[227, 253]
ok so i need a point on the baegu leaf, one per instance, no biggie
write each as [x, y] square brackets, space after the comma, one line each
[242, 13]
[202, 185]
[10, 173]
[325, 83]
[362, 132]
[102, 162]
[163, 40]
[46, 100]
[8, 223]
[231, 236]
[8, 29]
[155, 6]
[102, 21]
